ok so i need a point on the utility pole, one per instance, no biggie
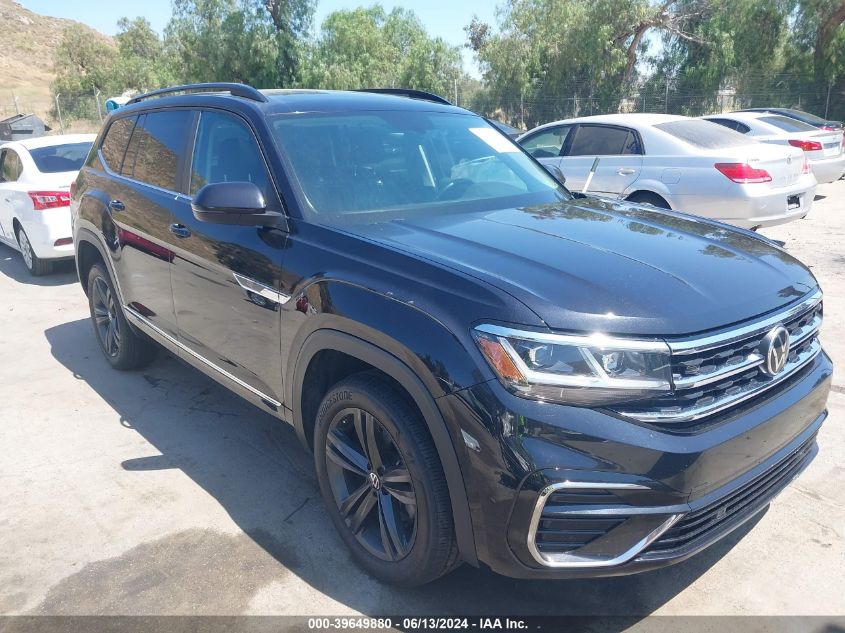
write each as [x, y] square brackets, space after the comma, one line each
[456, 90]
[666, 99]
[59, 112]
[827, 102]
[18, 108]
[97, 99]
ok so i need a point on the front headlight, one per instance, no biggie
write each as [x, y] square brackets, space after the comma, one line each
[579, 370]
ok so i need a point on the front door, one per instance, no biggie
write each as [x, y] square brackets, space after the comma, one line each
[226, 278]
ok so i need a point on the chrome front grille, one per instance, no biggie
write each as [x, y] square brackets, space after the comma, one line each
[715, 373]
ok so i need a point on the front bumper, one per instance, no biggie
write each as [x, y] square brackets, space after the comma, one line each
[567, 492]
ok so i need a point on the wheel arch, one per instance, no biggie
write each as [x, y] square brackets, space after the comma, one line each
[329, 340]
[89, 251]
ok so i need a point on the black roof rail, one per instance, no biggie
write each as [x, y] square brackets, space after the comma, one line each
[236, 90]
[407, 92]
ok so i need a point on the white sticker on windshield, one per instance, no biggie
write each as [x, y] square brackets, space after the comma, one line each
[495, 140]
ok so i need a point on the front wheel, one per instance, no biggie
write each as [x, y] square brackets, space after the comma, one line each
[34, 264]
[383, 483]
[122, 346]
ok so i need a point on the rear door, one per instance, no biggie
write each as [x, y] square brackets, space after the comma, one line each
[142, 195]
[618, 149]
[226, 278]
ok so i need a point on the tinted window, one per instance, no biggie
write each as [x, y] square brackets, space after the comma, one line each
[788, 125]
[226, 151]
[806, 117]
[114, 144]
[58, 158]
[601, 140]
[703, 134]
[132, 149]
[365, 165]
[547, 144]
[731, 124]
[161, 147]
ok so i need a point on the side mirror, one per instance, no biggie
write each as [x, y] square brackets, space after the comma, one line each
[233, 203]
[556, 173]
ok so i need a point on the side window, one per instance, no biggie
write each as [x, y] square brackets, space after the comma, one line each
[742, 128]
[547, 144]
[226, 151]
[11, 166]
[632, 144]
[115, 141]
[599, 140]
[162, 137]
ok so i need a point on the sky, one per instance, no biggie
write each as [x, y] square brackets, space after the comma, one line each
[443, 18]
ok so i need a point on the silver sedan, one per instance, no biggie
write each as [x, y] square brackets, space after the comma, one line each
[825, 149]
[678, 163]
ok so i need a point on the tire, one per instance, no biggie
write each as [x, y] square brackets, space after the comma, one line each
[646, 197]
[395, 541]
[123, 348]
[34, 264]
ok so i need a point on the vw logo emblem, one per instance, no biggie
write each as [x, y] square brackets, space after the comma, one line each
[375, 482]
[775, 350]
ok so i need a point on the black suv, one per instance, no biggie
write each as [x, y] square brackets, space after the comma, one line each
[488, 368]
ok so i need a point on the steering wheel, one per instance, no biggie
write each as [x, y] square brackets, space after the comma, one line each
[454, 189]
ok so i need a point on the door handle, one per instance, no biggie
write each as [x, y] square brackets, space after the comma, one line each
[180, 230]
[117, 205]
[626, 171]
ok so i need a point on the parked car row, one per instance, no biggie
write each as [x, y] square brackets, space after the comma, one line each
[760, 172]
[488, 368]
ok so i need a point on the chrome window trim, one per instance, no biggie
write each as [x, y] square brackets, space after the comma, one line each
[573, 561]
[702, 344]
[261, 289]
[139, 318]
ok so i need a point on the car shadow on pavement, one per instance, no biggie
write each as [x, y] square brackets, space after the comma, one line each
[11, 265]
[254, 466]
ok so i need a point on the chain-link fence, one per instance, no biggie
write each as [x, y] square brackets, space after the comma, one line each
[63, 113]
[545, 103]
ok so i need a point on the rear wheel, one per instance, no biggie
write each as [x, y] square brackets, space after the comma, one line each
[121, 345]
[34, 264]
[647, 197]
[383, 483]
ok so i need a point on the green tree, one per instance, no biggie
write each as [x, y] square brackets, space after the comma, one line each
[368, 47]
[84, 64]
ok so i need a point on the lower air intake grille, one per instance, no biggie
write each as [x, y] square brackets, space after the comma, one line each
[748, 499]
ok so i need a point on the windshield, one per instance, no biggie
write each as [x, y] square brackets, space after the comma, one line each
[57, 158]
[369, 163]
[703, 134]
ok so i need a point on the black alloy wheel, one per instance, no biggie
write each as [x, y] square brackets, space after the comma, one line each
[382, 481]
[106, 322]
[371, 484]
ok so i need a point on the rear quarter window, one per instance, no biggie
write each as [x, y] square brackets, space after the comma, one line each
[703, 134]
[114, 144]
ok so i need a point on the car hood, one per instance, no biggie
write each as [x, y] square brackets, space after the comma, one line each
[593, 264]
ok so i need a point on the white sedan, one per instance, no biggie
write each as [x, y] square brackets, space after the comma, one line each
[35, 178]
[825, 149]
[679, 163]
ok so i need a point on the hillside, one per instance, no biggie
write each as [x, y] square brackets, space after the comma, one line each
[26, 65]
